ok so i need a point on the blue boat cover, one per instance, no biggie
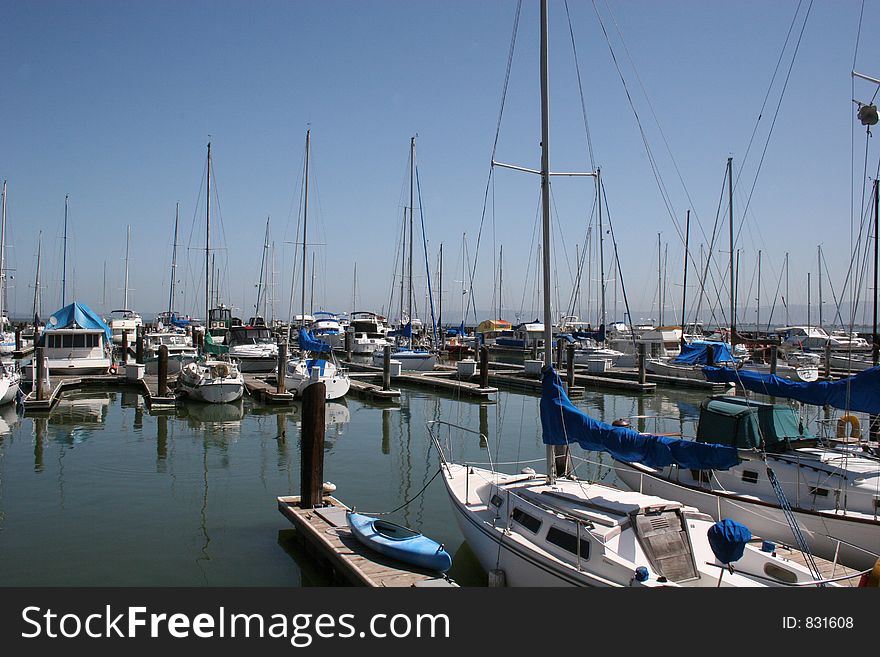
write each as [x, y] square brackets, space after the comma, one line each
[728, 540]
[598, 335]
[697, 353]
[405, 332]
[456, 331]
[77, 314]
[307, 342]
[855, 393]
[316, 362]
[562, 423]
[178, 322]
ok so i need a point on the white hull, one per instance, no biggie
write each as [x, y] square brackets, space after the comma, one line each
[214, 393]
[9, 387]
[176, 362]
[413, 361]
[299, 376]
[828, 534]
[215, 382]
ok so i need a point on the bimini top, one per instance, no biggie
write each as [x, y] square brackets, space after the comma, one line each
[77, 315]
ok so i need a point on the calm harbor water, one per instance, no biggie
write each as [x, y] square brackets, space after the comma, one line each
[102, 492]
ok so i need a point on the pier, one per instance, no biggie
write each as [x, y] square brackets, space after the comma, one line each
[324, 532]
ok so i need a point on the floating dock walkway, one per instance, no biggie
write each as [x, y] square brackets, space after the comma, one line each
[148, 386]
[325, 532]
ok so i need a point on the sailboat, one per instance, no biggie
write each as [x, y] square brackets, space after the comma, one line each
[315, 362]
[408, 356]
[10, 377]
[536, 530]
[125, 322]
[212, 379]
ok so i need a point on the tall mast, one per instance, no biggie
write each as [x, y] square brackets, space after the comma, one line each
[412, 166]
[125, 284]
[819, 263]
[262, 268]
[602, 317]
[305, 224]
[758, 309]
[659, 282]
[312, 294]
[875, 346]
[173, 263]
[787, 297]
[500, 277]
[440, 284]
[808, 299]
[208, 243]
[64, 258]
[38, 300]
[732, 275]
[3, 259]
[687, 236]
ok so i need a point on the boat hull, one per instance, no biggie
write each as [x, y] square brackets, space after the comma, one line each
[214, 393]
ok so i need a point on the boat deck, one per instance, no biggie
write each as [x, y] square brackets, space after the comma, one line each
[326, 532]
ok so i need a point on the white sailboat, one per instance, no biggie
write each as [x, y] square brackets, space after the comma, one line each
[125, 322]
[10, 377]
[546, 531]
[315, 362]
[211, 380]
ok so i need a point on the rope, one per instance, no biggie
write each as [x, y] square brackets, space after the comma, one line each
[409, 501]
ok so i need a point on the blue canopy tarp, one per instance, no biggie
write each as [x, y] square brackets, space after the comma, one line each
[307, 342]
[697, 353]
[405, 332]
[562, 423]
[860, 392]
[77, 314]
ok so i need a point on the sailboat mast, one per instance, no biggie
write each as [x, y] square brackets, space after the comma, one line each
[659, 282]
[602, 317]
[37, 295]
[875, 346]
[732, 274]
[500, 277]
[687, 236]
[758, 309]
[819, 263]
[787, 297]
[3, 259]
[412, 166]
[125, 284]
[545, 185]
[262, 268]
[305, 224]
[64, 258]
[208, 243]
[440, 283]
[173, 263]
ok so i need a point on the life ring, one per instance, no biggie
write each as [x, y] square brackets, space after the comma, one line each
[853, 422]
[113, 369]
[222, 370]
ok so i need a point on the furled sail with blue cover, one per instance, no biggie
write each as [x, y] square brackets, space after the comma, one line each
[597, 335]
[697, 353]
[855, 393]
[405, 332]
[307, 342]
[563, 423]
[77, 314]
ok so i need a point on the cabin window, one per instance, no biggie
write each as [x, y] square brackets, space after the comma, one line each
[779, 573]
[529, 522]
[821, 492]
[703, 476]
[750, 476]
[79, 340]
[568, 542]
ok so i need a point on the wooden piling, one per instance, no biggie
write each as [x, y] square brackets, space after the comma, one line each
[569, 372]
[774, 358]
[312, 441]
[560, 345]
[349, 339]
[827, 361]
[386, 368]
[41, 373]
[280, 367]
[163, 371]
[139, 342]
[642, 375]
[484, 366]
[124, 348]
[18, 338]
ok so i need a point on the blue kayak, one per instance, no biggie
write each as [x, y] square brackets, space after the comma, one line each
[399, 542]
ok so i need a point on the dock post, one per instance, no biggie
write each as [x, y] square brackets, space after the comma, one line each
[827, 361]
[560, 345]
[386, 368]
[774, 358]
[124, 348]
[642, 375]
[18, 339]
[484, 366]
[569, 372]
[163, 371]
[41, 373]
[312, 441]
[484, 426]
[282, 363]
[535, 350]
[349, 338]
[139, 345]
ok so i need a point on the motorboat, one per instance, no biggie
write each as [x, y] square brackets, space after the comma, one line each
[180, 351]
[214, 381]
[253, 347]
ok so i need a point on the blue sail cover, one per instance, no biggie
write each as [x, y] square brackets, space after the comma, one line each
[855, 393]
[697, 353]
[77, 314]
[563, 423]
[598, 335]
[307, 342]
[405, 332]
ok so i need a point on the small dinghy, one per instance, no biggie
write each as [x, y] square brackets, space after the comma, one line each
[399, 542]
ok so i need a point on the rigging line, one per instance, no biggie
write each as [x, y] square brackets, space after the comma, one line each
[427, 260]
[510, 53]
[775, 297]
[529, 263]
[852, 139]
[778, 107]
[299, 219]
[617, 261]
[577, 69]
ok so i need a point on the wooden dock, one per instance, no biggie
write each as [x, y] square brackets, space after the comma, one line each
[148, 386]
[264, 388]
[325, 531]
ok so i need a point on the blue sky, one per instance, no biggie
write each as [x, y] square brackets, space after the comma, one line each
[113, 103]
